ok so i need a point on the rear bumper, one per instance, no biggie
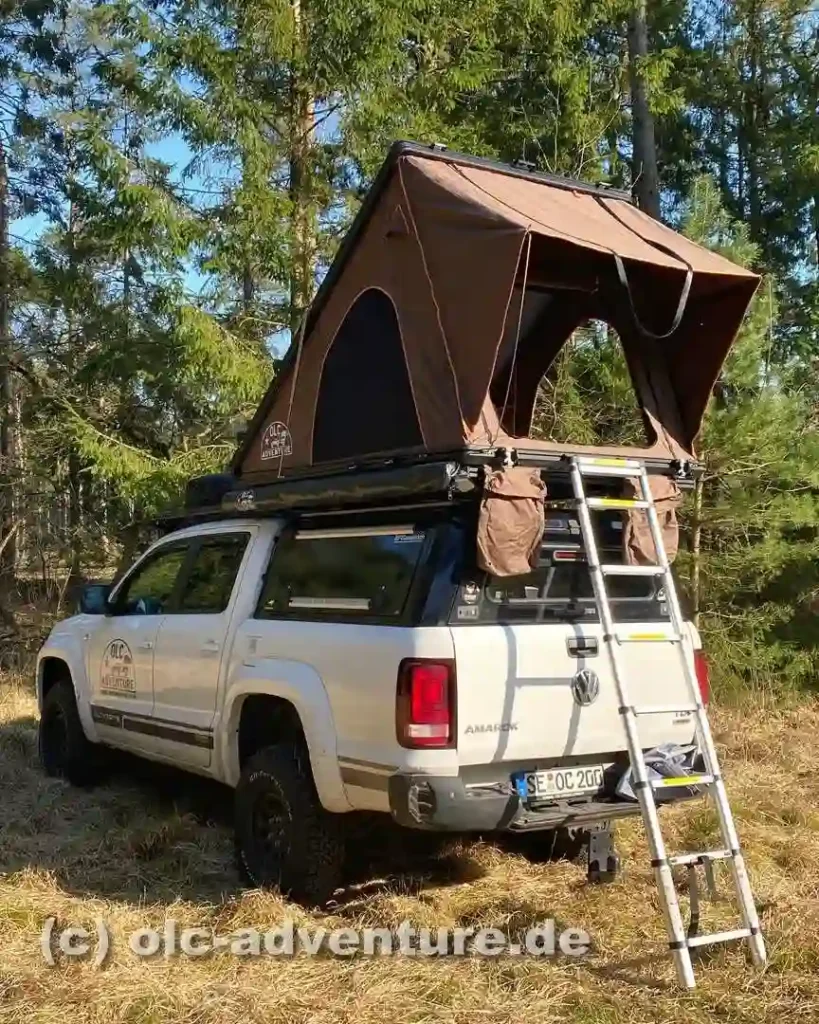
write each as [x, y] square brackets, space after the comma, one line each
[446, 805]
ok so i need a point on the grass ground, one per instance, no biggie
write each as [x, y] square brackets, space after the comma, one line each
[150, 845]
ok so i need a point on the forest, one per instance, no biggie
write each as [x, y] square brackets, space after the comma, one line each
[175, 176]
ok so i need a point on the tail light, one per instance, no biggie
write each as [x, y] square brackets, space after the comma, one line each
[703, 675]
[425, 704]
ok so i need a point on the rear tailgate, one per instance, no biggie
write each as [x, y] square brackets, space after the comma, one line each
[516, 698]
[521, 643]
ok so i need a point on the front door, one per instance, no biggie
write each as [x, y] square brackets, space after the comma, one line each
[121, 648]
[192, 644]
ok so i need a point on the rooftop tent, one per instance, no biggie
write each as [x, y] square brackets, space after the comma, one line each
[453, 292]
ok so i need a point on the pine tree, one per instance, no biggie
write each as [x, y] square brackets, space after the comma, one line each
[28, 52]
[132, 387]
[754, 526]
[749, 73]
[535, 82]
[279, 78]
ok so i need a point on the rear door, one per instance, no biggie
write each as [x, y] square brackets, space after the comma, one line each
[534, 680]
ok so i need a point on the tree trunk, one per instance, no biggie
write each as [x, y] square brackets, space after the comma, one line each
[8, 557]
[20, 504]
[301, 139]
[754, 120]
[75, 519]
[248, 289]
[6, 614]
[645, 176]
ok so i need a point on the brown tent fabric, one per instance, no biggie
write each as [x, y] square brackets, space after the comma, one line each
[424, 302]
[638, 546]
[511, 521]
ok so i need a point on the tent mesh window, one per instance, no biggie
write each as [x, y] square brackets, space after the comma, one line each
[365, 385]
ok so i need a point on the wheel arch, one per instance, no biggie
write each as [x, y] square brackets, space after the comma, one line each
[51, 670]
[64, 652]
[289, 702]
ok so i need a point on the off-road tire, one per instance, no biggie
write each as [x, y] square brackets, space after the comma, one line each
[65, 751]
[285, 839]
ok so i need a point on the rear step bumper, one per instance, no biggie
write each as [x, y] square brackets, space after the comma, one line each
[446, 805]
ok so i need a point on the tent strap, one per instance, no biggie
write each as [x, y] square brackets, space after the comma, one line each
[621, 274]
[517, 334]
[299, 346]
[681, 305]
[428, 275]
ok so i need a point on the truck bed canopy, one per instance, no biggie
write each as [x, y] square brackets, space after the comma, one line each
[456, 287]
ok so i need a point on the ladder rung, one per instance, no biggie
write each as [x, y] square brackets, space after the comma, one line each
[696, 858]
[665, 709]
[682, 780]
[632, 570]
[618, 503]
[587, 469]
[715, 937]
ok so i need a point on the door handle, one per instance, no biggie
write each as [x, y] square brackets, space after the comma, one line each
[582, 646]
[146, 645]
[210, 647]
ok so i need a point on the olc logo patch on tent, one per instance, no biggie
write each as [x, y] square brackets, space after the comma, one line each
[276, 442]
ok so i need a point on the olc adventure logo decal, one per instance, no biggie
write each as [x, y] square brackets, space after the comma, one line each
[276, 442]
[118, 676]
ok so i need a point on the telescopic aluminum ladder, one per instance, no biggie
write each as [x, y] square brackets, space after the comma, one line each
[681, 940]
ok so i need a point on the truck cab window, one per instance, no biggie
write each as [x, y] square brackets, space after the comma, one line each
[210, 579]
[149, 590]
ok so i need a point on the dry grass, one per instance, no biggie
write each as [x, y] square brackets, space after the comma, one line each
[152, 844]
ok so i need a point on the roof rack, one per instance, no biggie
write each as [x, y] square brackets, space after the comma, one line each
[425, 479]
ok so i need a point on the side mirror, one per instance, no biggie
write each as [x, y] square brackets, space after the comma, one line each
[94, 599]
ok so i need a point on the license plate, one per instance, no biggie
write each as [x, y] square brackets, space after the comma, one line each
[559, 782]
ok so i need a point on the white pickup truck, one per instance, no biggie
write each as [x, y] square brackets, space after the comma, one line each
[333, 664]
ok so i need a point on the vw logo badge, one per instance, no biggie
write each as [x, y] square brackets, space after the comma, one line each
[586, 686]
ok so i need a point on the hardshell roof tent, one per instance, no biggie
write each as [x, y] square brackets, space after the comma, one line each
[456, 287]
